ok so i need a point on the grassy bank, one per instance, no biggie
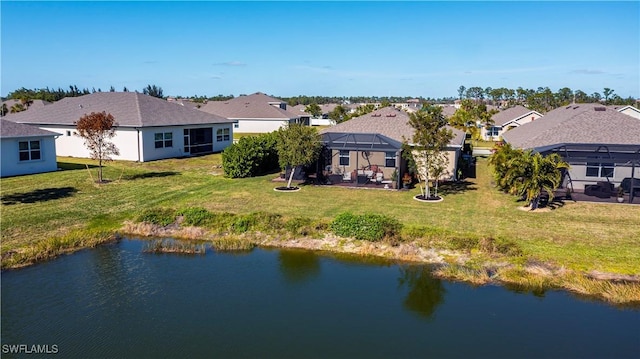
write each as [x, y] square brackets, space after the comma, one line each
[583, 237]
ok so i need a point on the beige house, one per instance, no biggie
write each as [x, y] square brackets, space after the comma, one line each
[506, 120]
[368, 148]
[600, 143]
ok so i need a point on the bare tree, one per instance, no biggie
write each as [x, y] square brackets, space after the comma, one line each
[96, 129]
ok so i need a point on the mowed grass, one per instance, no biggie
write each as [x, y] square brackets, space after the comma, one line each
[581, 236]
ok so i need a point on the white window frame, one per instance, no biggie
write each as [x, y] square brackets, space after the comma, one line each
[223, 134]
[344, 155]
[30, 150]
[602, 168]
[165, 142]
[389, 156]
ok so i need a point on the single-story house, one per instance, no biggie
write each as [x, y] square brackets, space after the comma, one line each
[371, 146]
[148, 128]
[600, 144]
[508, 119]
[628, 110]
[26, 149]
[322, 120]
[257, 113]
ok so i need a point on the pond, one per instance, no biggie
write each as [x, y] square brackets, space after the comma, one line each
[117, 301]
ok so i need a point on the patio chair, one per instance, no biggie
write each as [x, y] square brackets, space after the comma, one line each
[346, 177]
[379, 177]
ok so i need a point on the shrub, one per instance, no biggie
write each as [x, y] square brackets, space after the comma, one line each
[159, 216]
[195, 216]
[257, 221]
[370, 227]
[250, 156]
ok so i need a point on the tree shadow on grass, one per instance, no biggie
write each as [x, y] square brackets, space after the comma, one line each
[66, 166]
[150, 175]
[456, 187]
[39, 195]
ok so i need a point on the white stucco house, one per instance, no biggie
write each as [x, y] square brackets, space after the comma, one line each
[26, 149]
[256, 113]
[600, 143]
[506, 120]
[148, 128]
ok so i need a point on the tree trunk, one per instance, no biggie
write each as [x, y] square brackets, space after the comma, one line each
[534, 202]
[100, 170]
[293, 170]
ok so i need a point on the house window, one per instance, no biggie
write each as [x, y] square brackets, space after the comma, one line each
[595, 169]
[236, 125]
[164, 139]
[29, 150]
[68, 133]
[222, 134]
[344, 158]
[389, 159]
[493, 131]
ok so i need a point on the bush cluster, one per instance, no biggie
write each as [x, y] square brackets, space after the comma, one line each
[250, 156]
[195, 216]
[370, 227]
[159, 216]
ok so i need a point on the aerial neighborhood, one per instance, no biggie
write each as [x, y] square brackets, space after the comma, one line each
[363, 144]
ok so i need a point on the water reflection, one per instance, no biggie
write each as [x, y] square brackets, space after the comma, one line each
[298, 266]
[425, 293]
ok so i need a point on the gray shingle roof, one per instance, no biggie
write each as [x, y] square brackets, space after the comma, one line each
[577, 124]
[389, 122]
[10, 129]
[503, 117]
[129, 109]
[256, 106]
[326, 108]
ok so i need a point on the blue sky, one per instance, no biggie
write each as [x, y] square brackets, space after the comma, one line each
[286, 49]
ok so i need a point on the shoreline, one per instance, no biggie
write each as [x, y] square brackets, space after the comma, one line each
[456, 265]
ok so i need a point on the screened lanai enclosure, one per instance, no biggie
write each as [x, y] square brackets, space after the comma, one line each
[601, 171]
[360, 159]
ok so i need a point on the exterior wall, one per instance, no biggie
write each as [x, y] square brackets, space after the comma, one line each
[322, 122]
[10, 160]
[579, 179]
[150, 153]
[259, 125]
[135, 144]
[449, 174]
[70, 145]
[358, 162]
[631, 112]
[514, 123]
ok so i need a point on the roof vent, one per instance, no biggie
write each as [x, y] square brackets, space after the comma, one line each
[375, 115]
[391, 115]
[600, 108]
[574, 107]
[79, 106]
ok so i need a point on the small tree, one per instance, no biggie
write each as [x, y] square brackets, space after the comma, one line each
[313, 109]
[96, 129]
[429, 141]
[297, 145]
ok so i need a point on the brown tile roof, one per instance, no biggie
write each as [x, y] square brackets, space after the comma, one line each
[257, 106]
[389, 122]
[577, 124]
[130, 109]
[503, 117]
[9, 129]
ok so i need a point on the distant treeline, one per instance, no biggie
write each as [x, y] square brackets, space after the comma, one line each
[541, 99]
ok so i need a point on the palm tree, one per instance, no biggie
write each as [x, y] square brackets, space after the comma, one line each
[531, 173]
[500, 159]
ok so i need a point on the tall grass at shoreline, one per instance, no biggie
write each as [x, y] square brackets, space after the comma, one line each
[474, 217]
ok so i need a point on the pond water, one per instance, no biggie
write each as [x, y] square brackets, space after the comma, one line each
[116, 301]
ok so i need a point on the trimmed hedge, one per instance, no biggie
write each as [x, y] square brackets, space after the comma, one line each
[370, 227]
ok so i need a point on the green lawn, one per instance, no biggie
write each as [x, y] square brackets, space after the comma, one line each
[583, 236]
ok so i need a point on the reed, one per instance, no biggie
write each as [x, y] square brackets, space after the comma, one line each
[174, 246]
